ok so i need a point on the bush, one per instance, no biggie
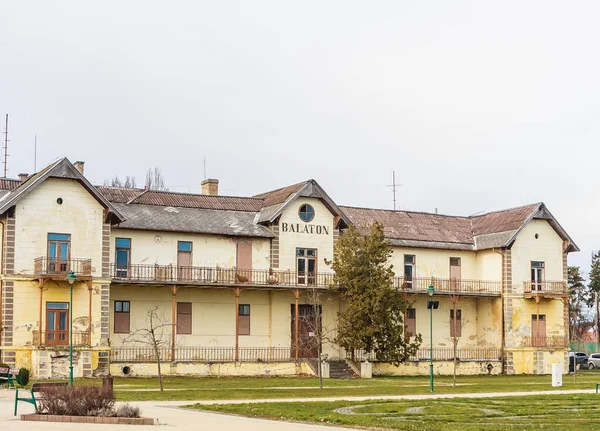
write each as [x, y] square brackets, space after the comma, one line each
[127, 411]
[23, 376]
[77, 401]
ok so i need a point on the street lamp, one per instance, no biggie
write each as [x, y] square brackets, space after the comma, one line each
[71, 277]
[431, 305]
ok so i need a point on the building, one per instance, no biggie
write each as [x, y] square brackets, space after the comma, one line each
[231, 279]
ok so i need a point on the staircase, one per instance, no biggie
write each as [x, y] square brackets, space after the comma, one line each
[340, 370]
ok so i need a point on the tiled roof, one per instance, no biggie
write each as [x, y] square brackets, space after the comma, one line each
[9, 183]
[119, 194]
[502, 221]
[279, 196]
[414, 226]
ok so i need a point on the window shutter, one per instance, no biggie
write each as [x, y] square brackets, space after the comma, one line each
[184, 317]
[121, 323]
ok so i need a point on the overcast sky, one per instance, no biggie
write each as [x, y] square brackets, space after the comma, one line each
[477, 106]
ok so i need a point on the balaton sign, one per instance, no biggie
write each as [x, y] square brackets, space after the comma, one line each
[307, 228]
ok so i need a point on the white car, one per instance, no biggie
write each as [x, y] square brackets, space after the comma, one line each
[594, 361]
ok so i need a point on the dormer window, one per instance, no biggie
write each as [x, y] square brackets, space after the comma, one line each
[306, 213]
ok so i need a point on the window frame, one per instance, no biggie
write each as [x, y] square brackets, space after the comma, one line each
[306, 213]
[121, 312]
[458, 323]
[123, 271]
[307, 278]
[242, 313]
[179, 330]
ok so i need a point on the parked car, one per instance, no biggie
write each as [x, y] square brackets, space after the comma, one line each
[594, 361]
[582, 360]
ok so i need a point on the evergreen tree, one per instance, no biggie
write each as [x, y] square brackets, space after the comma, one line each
[373, 313]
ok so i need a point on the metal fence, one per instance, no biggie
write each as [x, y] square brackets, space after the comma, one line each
[54, 266]
[556, 287]
[552, 341]
[439, 354]
[201, 354]
[447, 285]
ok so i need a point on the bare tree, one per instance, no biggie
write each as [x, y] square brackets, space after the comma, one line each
[155, 179]
[116, 182]
[457, 323]
[129, 182]
[156, 334]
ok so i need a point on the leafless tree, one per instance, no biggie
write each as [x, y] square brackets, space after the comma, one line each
[156, 334]
[155, 179]
[457, 323]
[116, 182]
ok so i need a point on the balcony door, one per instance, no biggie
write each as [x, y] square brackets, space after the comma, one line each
[244, 260]
[59, 253]
[306, 259]
[538, 330]
[57, 323]
[455, 273]
[184, 260]
[537, 275]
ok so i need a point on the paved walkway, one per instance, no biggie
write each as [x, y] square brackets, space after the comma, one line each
[173, 418]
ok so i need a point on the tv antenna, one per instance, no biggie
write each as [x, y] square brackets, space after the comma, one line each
[5, 144]
[393, 186]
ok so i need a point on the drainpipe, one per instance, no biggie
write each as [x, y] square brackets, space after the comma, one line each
[501, 253]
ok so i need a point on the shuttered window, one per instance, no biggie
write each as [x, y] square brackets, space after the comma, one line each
[184, 317]
[244, 319]
[411, 321]
[458, 323]
[121, 318]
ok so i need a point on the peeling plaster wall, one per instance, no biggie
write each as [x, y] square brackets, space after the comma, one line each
[216, 369]
[208, 250]
[440, 368]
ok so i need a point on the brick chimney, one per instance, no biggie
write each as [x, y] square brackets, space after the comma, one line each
[23, 177]
[210, 187]
[79, 165]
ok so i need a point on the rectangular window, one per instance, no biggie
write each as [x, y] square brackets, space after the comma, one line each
[411, 321]
[455, 324]
[121, 318]
[244, 319]
[409, 270]
[184, 317]
[306, 265]
[122, 256]
[59, 253]
[537, 275]
[57, 327]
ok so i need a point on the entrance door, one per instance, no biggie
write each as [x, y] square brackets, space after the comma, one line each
[308, 330]
[244, 261]
[57, 323]
[184, 260]
[58, 253]
[538, 330]
[306, 259]
[455, 273]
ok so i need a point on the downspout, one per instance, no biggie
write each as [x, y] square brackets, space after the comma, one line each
[501, 253]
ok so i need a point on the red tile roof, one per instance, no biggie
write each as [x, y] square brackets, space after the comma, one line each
[9, 183]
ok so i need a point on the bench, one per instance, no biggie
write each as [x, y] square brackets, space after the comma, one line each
[36, 387]
[6, 378]
[597, 384]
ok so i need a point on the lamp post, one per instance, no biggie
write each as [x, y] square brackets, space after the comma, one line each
[71, 279]
[431, 305]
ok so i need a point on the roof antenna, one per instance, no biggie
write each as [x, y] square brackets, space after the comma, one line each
[34, 154]
[5, 145]
[204, 169]
[393, 186]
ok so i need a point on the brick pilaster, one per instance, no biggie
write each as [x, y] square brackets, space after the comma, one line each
[104, 314]
[8, 262]
[275, 247]
[105, 250]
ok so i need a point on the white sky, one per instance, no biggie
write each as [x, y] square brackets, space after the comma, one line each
[475, 105]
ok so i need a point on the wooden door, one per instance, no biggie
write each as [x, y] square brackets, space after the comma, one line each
[309, 329]
[538, 330]
[184, 265]
[244, 261]
[58, 253]
[57, 326]
[455, 273]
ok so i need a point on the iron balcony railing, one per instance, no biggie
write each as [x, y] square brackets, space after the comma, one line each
[448, 285]
[53, 266]
[217, 275]
[59, 338]
[554, 287]
[439, 354]
[201, 354]
[550, 341]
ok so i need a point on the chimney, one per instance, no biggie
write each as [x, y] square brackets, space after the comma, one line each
[210, 187]
[79, 165]
[23, 177]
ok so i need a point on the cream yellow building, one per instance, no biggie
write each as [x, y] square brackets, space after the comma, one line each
[236, 283]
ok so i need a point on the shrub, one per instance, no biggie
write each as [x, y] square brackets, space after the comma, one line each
[77, 401]
[127, 411]
[23, 376]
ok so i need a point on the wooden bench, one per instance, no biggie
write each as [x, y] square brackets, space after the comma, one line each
[6, 378]
[36, 387]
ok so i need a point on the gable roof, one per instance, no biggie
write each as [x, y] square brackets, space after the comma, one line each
[276, 201]
[62, 168]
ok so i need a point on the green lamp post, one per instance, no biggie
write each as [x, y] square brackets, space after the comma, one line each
[71, 277]
[431, 305]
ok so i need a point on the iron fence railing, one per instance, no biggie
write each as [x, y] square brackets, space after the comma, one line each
[53, 266]
[217, 275]
[557, 287]
[439, 354]
[59, 338]
[551, 341]
[448, 285]
[133, 354]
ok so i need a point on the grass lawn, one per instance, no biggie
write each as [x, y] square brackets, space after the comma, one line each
[487, 414]
[227, 388]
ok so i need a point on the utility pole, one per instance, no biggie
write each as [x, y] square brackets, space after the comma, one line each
[393, 186]
[5, 144]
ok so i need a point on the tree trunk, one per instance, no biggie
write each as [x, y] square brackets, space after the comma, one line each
[455, 343]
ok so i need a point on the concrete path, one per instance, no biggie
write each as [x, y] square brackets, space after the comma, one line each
[172, 417]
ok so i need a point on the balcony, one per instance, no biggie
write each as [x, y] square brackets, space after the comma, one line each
[550, 341]
[439, 354]
[448, 286]
[59, 338]
[59, 268]
[206, 276]
[141, 354]
[545, 287]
